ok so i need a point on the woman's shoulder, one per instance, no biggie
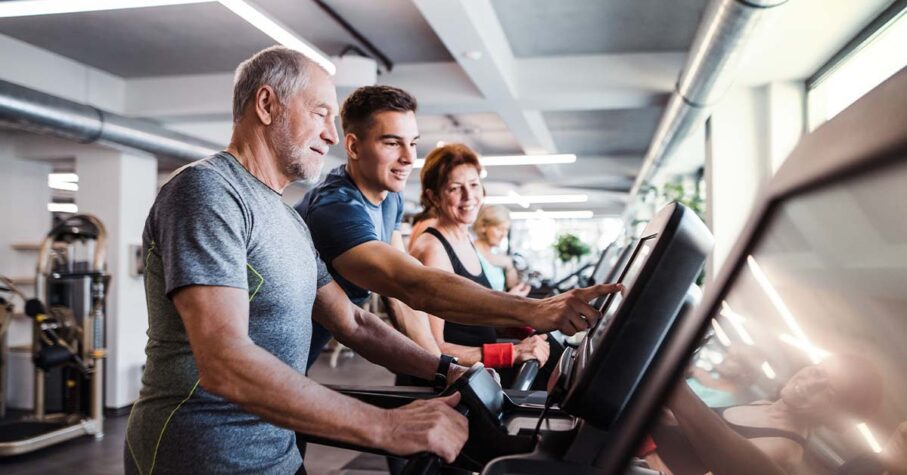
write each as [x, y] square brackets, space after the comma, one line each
[427, 246]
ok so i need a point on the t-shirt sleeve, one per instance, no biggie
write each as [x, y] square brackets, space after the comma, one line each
[399, 219]
[200, 232]
[338, 227]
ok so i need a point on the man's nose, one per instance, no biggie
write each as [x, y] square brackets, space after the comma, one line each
[330, 133]
[408, 155]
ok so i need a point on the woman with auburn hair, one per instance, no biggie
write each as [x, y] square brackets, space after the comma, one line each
[452, 192]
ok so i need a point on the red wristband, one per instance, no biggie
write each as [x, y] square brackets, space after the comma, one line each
[648, 446]
[497, 355]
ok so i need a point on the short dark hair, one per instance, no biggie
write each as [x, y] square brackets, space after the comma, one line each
[358, 108]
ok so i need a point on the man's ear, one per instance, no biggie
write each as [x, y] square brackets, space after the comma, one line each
[351, 145]
[267, 107]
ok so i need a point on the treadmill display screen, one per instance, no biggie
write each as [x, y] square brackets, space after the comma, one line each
[627, 278]
[615, 356]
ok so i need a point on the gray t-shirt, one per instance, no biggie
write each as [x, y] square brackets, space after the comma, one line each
[214, 223]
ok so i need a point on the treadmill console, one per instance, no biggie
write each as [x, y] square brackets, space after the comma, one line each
[613, 358]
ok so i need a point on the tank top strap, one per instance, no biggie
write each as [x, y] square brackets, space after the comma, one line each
[751, 432]
[455, 261]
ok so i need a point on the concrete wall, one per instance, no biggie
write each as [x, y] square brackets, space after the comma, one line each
[753, 129]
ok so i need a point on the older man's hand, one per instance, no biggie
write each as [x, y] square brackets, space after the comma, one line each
[570, 312]
[426, 425]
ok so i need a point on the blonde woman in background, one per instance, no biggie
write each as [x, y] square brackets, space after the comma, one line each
[491, 227]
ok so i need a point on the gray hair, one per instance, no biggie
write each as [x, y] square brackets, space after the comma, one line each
[284, 69]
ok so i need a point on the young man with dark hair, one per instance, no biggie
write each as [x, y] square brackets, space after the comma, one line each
[355, 214]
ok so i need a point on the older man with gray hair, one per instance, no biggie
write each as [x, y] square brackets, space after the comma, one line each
[233, 282]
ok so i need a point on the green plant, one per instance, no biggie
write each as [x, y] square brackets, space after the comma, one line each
[570, 247]
[676, 191]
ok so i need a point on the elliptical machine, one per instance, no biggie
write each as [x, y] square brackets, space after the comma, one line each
[68, 340]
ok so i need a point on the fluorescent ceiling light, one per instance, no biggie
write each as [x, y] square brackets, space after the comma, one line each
[720, 333]
[768, 370]
[283, 35]
[736, 323]
[68, 177]
[515, 160]
[585, 214]
[779, 304]
[815, 353]
[245, 10]
[63, 181]
[513, 198]
[63, 185]
[870, 439]
[51, 7]
[62, 208]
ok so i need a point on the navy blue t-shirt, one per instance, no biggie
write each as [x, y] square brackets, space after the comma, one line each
[340, 218]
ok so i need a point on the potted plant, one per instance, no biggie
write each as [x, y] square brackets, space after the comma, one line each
[570, 248]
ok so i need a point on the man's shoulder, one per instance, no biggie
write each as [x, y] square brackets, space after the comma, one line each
[334, 194]
[208, 173]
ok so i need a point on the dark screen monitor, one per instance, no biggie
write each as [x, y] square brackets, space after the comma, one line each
[604, 264]
[616, 353]
[612, 268]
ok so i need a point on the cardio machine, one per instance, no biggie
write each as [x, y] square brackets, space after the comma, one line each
[68, 339]
[591, 420]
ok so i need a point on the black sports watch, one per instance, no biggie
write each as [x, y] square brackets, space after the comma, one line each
[440, 381]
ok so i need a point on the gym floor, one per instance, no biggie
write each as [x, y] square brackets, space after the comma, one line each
[86, 456]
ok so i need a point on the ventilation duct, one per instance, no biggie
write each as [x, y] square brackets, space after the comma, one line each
[720, 43]
[27, 109]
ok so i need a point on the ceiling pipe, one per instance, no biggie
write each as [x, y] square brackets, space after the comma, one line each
[27, 109]
[711, 67]
[388, 64]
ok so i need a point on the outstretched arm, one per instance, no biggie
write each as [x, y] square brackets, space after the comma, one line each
[232, 366]
[379, 267]
[412, 323]
[723, 451]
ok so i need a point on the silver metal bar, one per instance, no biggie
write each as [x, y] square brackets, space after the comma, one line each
[47, 439]
[720, 43]
[24, 108]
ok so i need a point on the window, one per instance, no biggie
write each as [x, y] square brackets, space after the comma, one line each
[871, 60]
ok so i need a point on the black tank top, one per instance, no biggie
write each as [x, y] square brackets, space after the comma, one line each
[468, 335]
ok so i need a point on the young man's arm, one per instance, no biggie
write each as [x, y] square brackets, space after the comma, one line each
[381, 268]
[412, 323]
[231, 365]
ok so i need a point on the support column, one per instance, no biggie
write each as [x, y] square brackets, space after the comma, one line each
[119, 188]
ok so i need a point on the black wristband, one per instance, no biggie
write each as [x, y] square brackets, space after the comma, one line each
[440, 380]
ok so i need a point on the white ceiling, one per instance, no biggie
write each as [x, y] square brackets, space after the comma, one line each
[503, 76]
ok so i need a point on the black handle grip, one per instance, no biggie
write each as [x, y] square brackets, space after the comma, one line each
[34, 307]
[425, 463]
[526, 376]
